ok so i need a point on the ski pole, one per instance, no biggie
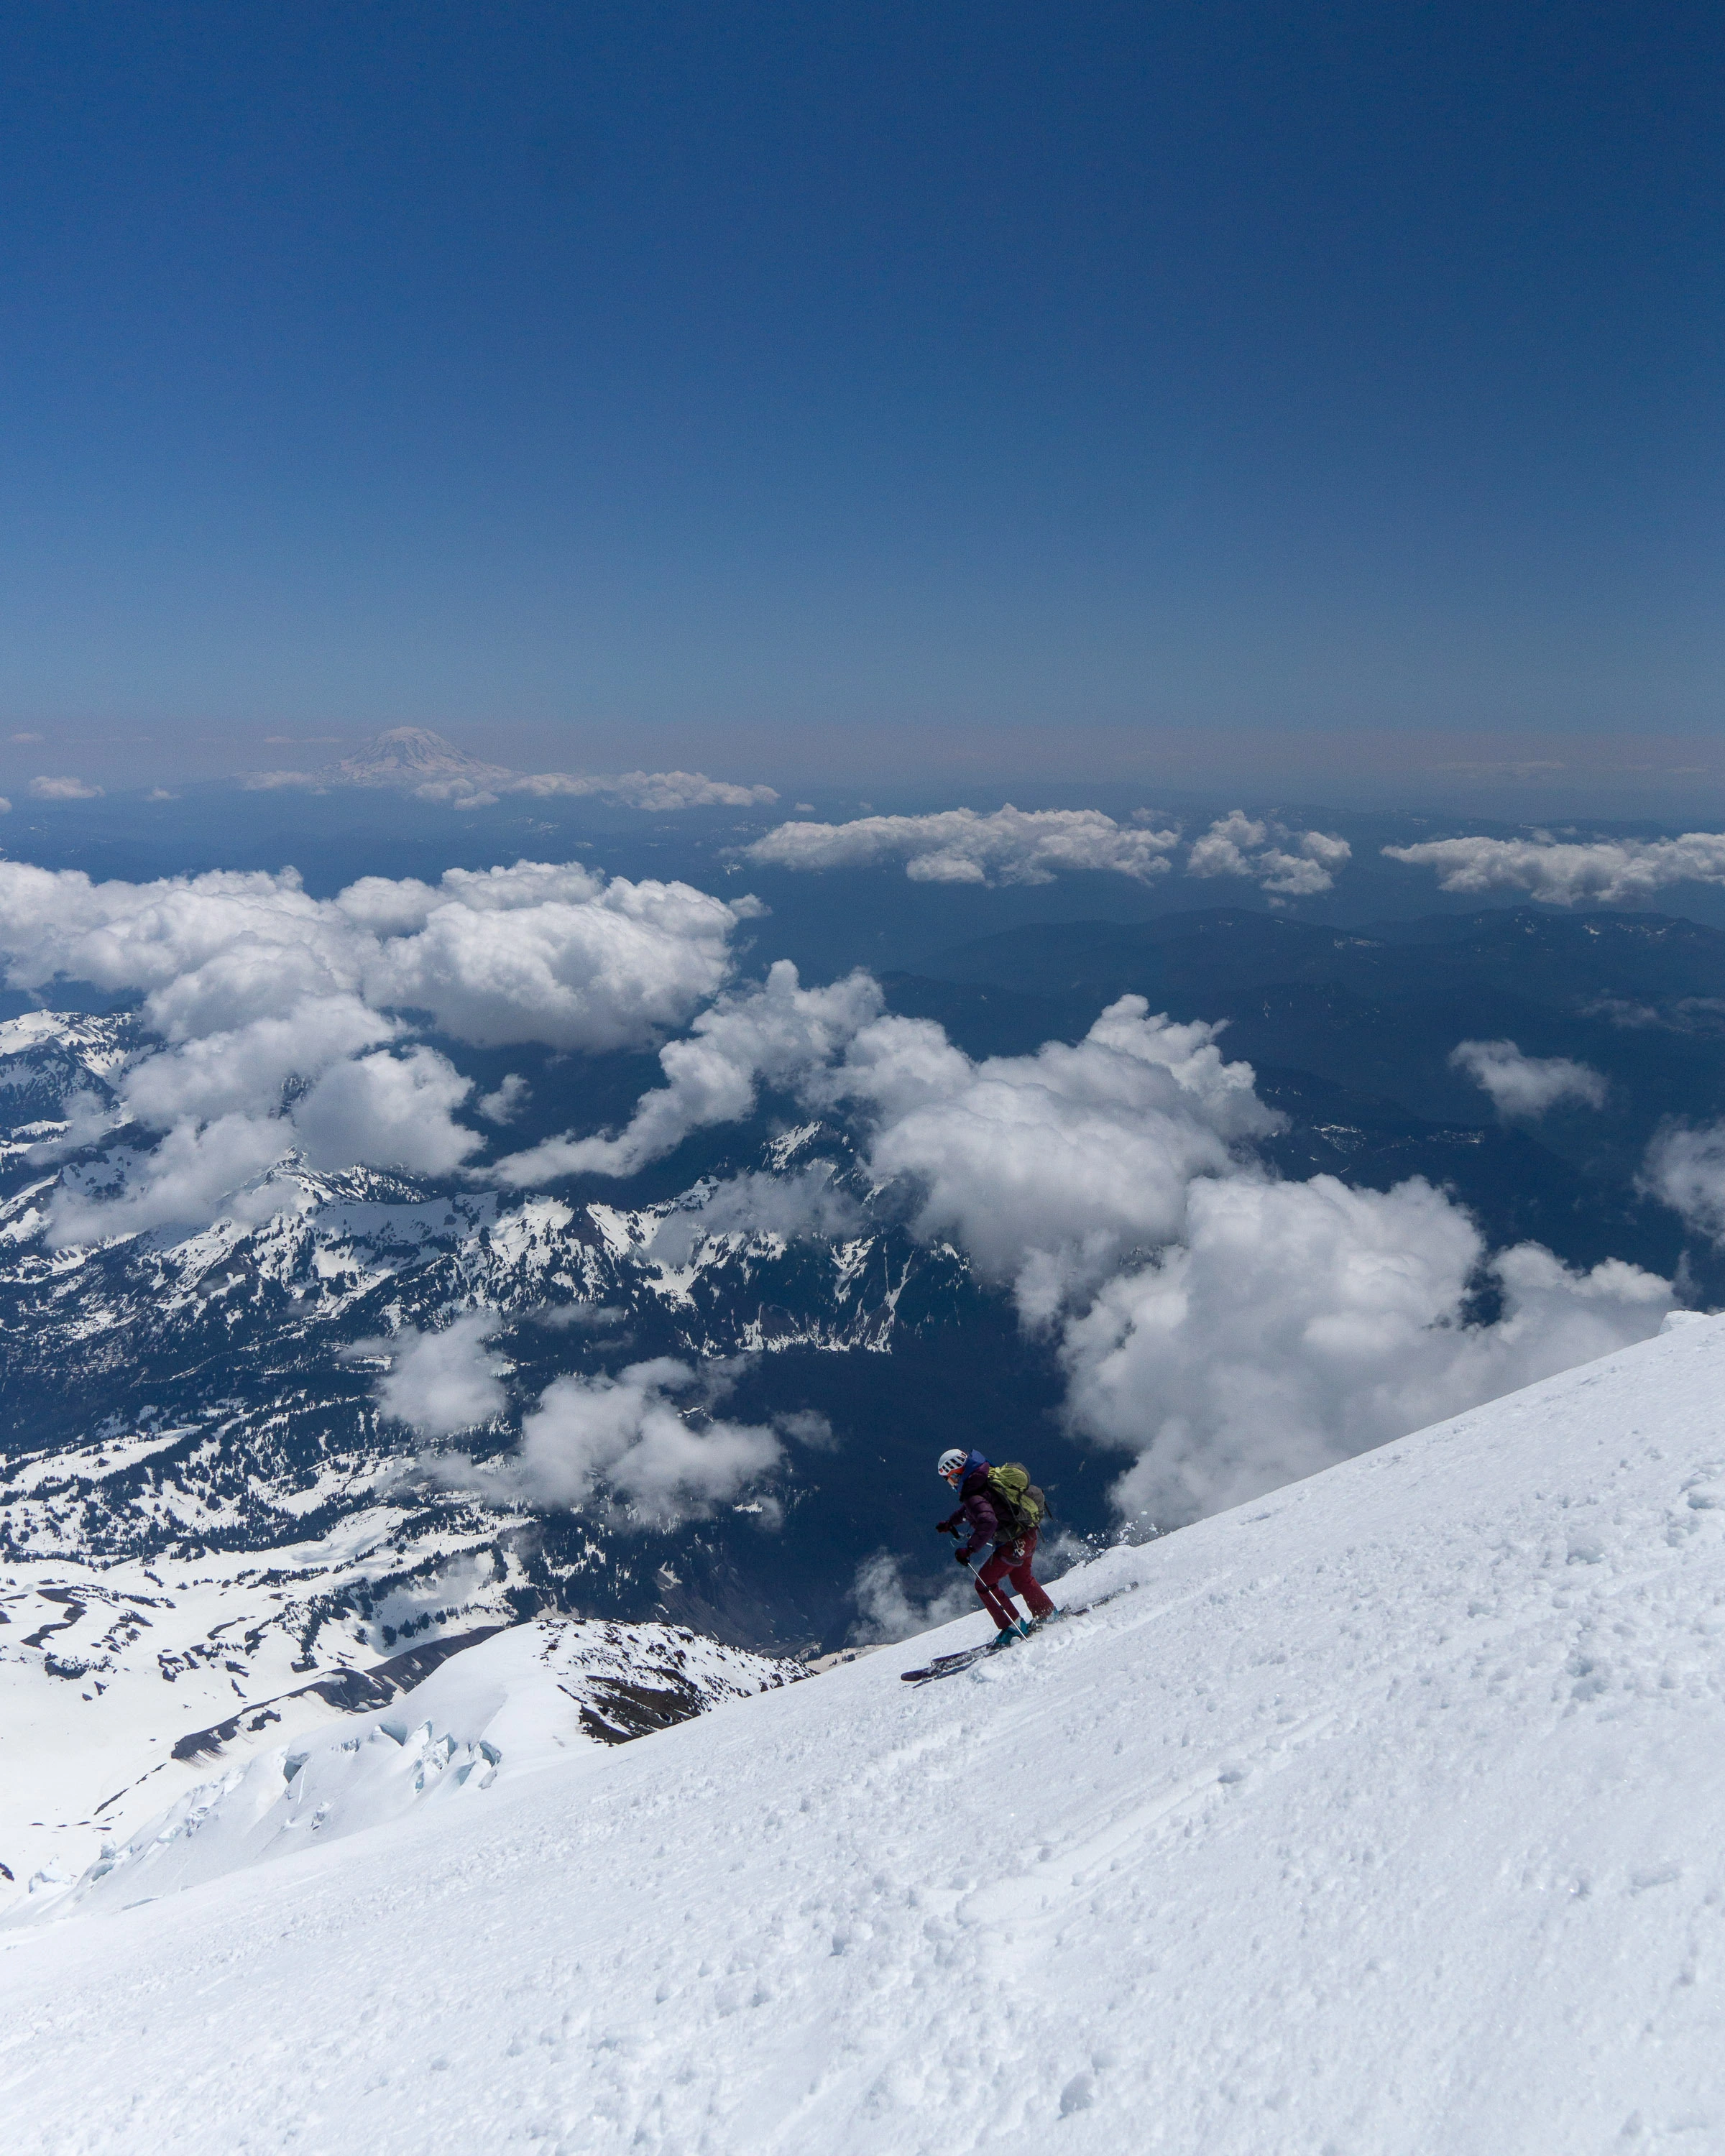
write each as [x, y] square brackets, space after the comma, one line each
[968, 1566]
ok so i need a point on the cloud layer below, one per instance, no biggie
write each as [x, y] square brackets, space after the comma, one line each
[1219, 1329]
[1224, 1330]
[959, 845]
[285, 1021]
[1557, 872]
[1033, 846]
[414, 760]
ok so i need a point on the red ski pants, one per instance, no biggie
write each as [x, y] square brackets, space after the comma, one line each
[1011, 1561]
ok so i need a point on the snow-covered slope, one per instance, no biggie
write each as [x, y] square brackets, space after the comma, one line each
[122, 1687]
[1379, 1816]
[507, 1703]
[109, 1771]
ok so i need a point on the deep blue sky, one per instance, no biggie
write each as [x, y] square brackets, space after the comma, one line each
[911, 393]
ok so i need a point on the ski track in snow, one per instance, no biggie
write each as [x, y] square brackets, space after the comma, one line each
[1380, 1820]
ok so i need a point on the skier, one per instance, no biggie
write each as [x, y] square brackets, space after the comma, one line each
[1013, 1546]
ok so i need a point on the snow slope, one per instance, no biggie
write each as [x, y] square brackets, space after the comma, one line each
[1379, 1816]
[122, 1685]
[513, 1701]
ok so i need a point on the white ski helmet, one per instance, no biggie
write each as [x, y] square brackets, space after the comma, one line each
[952, 1460]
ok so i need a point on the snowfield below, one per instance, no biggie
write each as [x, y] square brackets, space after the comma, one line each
[507, 1703]
[1377, 1816]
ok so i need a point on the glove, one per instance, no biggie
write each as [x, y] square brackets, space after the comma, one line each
[945, 1527]
[962, 1558]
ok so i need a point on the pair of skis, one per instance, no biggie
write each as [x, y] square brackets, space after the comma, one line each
[951, 1666]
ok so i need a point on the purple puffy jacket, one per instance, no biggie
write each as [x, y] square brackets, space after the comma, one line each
[975, 1505]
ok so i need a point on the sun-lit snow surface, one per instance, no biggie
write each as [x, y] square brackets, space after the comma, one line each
[1379, 1816]
[511, 1702]
[121, 1687]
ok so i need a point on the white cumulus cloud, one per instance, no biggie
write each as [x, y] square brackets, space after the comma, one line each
[1526, 1085]
[1685, 1170]
[778, 1032]
[65, 788]
[961, 845]
[1564, 872]
[1017, 846]
[440, 1382]
[507, 1101]
[1046, 1168]
[1290, 864]
[184, 1182]
[387, 1111]
[283, 1020]
[590, 965]
[626, 1442]
[245, 1068]
[546, 952]
[1298, 1323]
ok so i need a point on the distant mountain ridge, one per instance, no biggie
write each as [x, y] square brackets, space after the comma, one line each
[1229, 948]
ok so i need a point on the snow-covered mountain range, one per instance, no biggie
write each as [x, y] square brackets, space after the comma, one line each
[314, 1382]
[194, 1392]
[1376, 1816]
[205, 1522]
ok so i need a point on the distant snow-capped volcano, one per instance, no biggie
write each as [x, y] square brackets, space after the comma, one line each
[414, 760]
[415, 757]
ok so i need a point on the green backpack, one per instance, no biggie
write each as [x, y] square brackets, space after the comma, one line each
[1019, 1505]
